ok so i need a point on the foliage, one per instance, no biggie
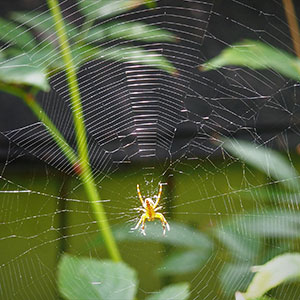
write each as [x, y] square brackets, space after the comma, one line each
[86, 278]
[30, 45]
[266, 160]
[196, 247]
[256, 55]
[280, 269]
[279, 225]
[91, 279]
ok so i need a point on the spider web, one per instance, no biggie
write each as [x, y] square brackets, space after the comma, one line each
[147, 126]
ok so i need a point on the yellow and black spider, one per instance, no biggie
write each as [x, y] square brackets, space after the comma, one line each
[149, 209]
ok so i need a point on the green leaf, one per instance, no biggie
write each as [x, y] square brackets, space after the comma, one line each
[137, 55]
[179, 291]
[16, 35]
[107, 8]
[130, 31]
[21, 71]
[234, 277]
[184, 262]
[43, 23]
[192, 238]
[272, 224]
[266, 160]
[91, 279]
[280, 269]
[256, 55]
[239, 244]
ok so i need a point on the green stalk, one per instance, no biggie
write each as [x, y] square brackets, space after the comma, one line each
[81, 137]
[30, 101]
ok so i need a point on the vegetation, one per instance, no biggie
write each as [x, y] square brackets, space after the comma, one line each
[27, 64]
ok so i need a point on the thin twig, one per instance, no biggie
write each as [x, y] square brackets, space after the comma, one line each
[293, 24]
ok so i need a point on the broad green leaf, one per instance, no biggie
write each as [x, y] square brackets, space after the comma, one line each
[17, 35]
[136, 55]
[21, 71]
[179, 291]
[192, 238]
[256, 55]
[91, 279]
[43, 23]
[130, 31]
[269, 161]
[107, 8]
[280, 269]
[184, 262]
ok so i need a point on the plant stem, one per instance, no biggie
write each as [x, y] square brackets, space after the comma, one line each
[293, 24]
[81, 137]
[31, 102]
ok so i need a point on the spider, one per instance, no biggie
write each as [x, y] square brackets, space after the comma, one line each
[149, 209]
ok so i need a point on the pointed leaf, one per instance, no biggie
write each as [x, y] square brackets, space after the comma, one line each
[179, 291]
[130, 31]
[107, 8]
[91, 279]
[21, 71]
[256, 55]
[280, 269]
[43, 23]
[266, 160]
[15, 34]
[137, 55]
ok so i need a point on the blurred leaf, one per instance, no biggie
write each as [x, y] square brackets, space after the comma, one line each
[272, 193]
[184, 262]
[16, 35]
[137, 55]
[234, 277]
[90, 279]
[239, 245]
[179, 291]
[256, 55]
[130, 31]
[280, 269]
[45, 54]
[192, 238]
[43, 23]
[21, 71]
[107, 8]
[266, 160]
[272, 224]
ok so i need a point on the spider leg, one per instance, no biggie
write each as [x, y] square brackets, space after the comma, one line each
[140, 209]
[163, 222]
[143, 224]
[141, 221]
[158, 196]
[158, 208]
[139, 194]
